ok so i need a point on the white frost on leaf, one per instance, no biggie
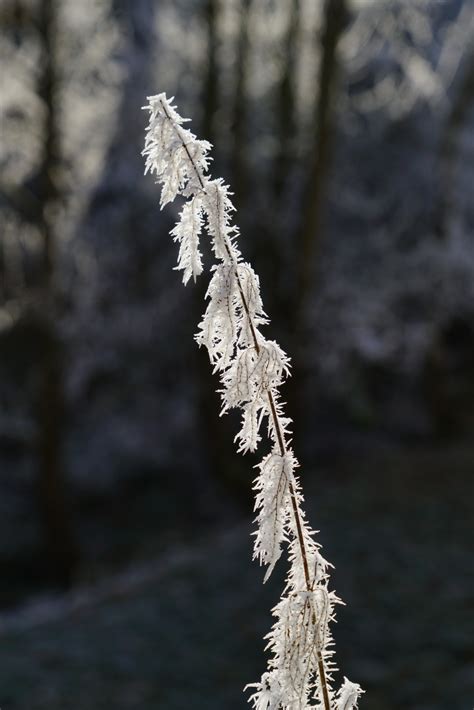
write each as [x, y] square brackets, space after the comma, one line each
[249, 284]
[187, 232]
[219, 326]
[219, 209]
[172, 153]
[272, 501]
[248, 436]
[226, 324]
[269, 694]
[296, 641]
[252, 374]
[348, 695]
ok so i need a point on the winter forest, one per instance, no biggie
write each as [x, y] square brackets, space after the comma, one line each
[345, 131]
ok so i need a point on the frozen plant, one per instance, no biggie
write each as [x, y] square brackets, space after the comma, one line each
[252, 368]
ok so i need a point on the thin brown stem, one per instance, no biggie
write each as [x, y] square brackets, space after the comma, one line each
[324, 685]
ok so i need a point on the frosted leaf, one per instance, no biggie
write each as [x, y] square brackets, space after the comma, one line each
[272, 503]
[173, 153]
[226, 323]
[219, 208]
[269, 694]
[297, 642]
[187, 232]
[273, 364]
[252, 374]
[317, 565]
[248, 437]
[348, 695]
[249, 283]
[219, 327]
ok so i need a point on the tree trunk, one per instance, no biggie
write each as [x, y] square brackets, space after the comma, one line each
[239, 147]
[51, 482]
[286, 109]
[309, 236]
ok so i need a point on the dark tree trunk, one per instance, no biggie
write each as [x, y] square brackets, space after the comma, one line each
[239, 135]
[309, 236]
[286, 109]
[310, 233]
[51, 483]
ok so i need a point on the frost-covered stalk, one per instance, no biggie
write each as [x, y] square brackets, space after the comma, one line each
[252, 369]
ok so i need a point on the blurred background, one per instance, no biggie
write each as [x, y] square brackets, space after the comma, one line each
[346, 130]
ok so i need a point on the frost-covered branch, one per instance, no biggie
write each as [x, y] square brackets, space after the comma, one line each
[251, 370]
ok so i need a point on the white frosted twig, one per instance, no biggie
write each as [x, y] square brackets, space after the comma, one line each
[251, 370]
